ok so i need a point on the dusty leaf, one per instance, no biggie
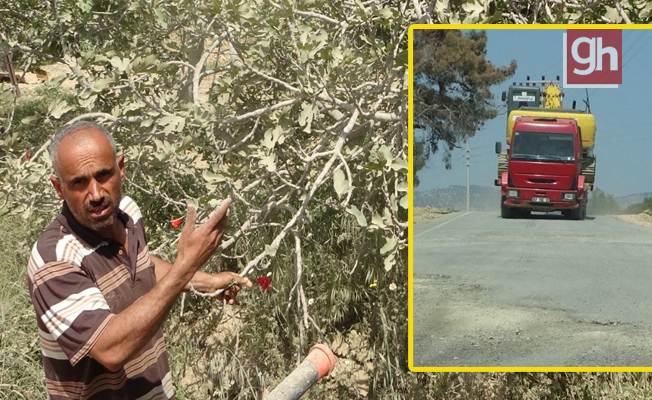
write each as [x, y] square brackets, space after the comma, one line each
[340, 183]
[390, 244]
[353, 210]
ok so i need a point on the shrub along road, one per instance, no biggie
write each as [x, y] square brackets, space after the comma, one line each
[542, 291]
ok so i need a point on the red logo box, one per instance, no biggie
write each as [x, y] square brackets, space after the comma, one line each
[594, 57]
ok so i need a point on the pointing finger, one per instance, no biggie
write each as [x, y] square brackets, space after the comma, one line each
[190, 219]
[219, 214]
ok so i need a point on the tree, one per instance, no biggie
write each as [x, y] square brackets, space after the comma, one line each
[603, 203]
[451, 96]
[645, 206]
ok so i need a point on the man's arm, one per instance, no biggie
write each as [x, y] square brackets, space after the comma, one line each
[203, 282]
[130, 330]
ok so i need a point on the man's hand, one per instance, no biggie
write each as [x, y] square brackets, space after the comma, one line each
[229, 281]
[197, 245]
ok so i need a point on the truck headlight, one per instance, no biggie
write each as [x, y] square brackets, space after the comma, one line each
[513, 193]
[568, 196]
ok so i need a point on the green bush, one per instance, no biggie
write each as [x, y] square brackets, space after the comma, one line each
[21, 371]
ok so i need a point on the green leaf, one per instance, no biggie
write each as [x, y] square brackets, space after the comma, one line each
[399, 165]
[89, 102]
[186, 140]
[612, 14]
[273, 136]
[102, 84]
[385, 153]
[119, 63]
[474, 11]
[144, 64]
[390, 261]
[384, 13]
[58, 108]
[306, 115]
[85, 6]
[269, 161]
[378, 220]
[161, 18]
[172, 123]
[402, 186]
[29, 120]
[340, 183]
[390, 244]
[146, 123]
[247, 13]
[270, 250]
[213, 177]
[353, 210]
[404, 202]
[647, 10]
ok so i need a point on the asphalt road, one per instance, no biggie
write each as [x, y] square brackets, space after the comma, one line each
[536, 292]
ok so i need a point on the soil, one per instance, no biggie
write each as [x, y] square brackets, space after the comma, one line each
[32, 80]
[423, 215]
[642, 219]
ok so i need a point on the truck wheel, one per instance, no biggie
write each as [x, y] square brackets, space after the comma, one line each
[579, 213]
[505, 212]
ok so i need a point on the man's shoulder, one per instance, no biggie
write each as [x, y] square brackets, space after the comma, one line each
[129, 206]
[47, 242]
[47, 248]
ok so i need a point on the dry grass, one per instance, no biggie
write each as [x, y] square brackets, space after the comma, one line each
[21, 373]
[642, 219]
[422, 215]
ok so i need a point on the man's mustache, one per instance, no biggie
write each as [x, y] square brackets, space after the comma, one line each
[105, 202]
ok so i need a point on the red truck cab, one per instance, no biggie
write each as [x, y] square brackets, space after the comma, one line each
[544, 169]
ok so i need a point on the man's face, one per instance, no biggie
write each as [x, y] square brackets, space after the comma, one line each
[90, 178]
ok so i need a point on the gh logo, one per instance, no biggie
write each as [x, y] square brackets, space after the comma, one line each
[592, 58]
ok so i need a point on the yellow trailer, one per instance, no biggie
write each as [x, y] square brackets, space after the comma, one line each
[585, 121]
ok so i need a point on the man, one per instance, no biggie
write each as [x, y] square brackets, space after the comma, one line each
[99, 296]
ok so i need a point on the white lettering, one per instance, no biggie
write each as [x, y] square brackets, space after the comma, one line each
[613, 56]
[590, 60]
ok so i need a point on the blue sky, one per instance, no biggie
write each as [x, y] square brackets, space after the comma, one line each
[623, 116]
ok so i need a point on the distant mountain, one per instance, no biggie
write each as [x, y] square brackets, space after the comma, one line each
[483, 198]
[626, 201]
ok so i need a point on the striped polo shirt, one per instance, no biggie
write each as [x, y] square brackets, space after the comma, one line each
[78, 282]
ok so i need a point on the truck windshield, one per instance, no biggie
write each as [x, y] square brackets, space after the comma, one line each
[521, 98]
[543, 146]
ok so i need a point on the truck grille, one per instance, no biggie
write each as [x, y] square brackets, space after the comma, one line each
[537, 180]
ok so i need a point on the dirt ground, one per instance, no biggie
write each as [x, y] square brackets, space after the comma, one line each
[642, 219]
[32, 81]
[422, 215]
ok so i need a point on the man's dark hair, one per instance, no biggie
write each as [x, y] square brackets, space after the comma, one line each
[72, 128]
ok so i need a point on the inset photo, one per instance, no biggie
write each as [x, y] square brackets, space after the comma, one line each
[532, 203]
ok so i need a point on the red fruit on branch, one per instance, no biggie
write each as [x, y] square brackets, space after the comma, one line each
[265, 283]
[28, 155]
[177, 222]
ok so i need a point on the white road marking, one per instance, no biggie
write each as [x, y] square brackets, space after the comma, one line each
[443, 223]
